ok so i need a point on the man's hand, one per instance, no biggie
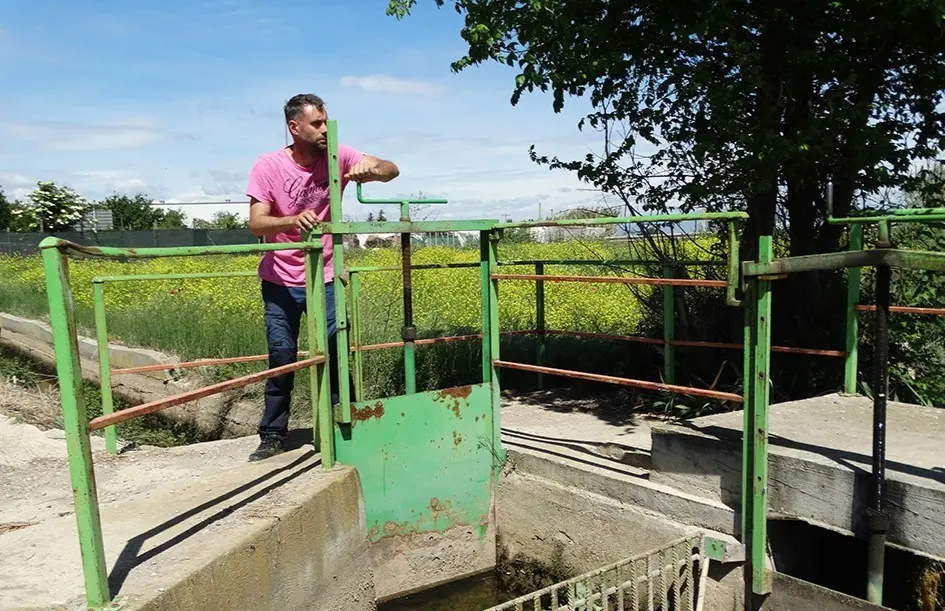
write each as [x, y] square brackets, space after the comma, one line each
[306, 220]
[371, 169]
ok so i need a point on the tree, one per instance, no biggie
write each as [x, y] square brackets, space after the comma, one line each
[222, 220]
[750, 106]
[380, 216]
[133, 213]
[6, 212]
[52, 208]
[753, 106]
[173, 219]
[370, 217]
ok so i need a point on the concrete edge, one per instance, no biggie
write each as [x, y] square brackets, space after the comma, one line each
[660, 500]
[119, 356]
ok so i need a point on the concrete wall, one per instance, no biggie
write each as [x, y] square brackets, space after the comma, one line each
[119, 356]
[314, 557]
[579, 531]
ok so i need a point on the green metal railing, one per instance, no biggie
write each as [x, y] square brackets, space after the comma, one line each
[671, 577]
[758, 276]
[55, 256]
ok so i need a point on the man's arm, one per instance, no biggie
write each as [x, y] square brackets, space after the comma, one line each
[373, 169]
[263, 223]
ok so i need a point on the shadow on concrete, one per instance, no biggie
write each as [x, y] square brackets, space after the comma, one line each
[129, 557]
[298, 438]
[633, 456]
[855, 461]
[614, 408]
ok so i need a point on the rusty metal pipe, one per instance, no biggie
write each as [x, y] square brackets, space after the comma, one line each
[628, 338]
[192, 395]
[596, 377]
[616, 280]
[903, 310]
[198, 363]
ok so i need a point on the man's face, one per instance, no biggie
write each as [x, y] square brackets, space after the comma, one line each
[311, 128]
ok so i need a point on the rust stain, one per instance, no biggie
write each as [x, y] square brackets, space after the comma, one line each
[366, 413]
[455, 398]
[457, 438]
[460, 392]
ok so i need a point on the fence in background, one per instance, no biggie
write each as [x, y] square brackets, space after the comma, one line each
[28, 243]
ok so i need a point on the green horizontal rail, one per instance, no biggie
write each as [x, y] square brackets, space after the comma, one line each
[131, 278]
[66, 247]
[907, 259]
[433, 200]
[895, 218]
[406, 226]
[630, 220]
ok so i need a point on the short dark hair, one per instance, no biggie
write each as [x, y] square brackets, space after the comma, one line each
[293, 108]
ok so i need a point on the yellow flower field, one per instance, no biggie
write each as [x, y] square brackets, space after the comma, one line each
[224, 316]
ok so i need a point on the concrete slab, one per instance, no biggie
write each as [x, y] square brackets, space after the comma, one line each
[604, 425]
[194, 527]
[819, 465]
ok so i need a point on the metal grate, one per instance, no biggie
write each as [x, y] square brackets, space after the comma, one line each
[659, 580]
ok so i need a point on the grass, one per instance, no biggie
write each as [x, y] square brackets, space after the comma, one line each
[30, 394]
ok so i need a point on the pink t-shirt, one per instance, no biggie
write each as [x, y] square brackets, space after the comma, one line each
[290, 188]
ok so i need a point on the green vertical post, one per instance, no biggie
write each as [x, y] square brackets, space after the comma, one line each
[410, 367]
[338, 262]
[755, 435]
[317, 330]
[104, 365]
[853, 326]
[356, 324]
[485, 284]
[409, 332]
[493, 256]
[748, 447]
[733, 272]
[540, 319]
[75, 423]
[669, 328]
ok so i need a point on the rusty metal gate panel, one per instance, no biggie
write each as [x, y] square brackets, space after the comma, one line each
[427, 467]
[669, 578]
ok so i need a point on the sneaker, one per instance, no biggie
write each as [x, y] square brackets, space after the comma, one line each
[268, 447]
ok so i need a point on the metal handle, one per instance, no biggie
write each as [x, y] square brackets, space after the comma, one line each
[401, 202]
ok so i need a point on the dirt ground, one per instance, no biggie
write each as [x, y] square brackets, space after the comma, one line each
[34, 471]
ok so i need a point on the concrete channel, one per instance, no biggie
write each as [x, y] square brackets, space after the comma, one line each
[196, 527]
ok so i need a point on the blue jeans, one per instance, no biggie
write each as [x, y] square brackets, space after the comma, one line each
[284, 306]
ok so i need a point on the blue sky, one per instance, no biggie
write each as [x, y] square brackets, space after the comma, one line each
[177, 99]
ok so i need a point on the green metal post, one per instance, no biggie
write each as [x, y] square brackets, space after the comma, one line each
[755, 437]
[733, 275]
[409, 332]
[493, 256]
[356, 323]
[316, 327]
[852, 333]
[669, 328]
[75, 422]
[486, 286]
[338, 262]
[540, 320]
[104, 365]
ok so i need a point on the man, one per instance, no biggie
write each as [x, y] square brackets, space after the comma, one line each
[288, 193]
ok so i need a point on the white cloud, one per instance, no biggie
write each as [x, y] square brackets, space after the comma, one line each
[382, 83]
[61, 137]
